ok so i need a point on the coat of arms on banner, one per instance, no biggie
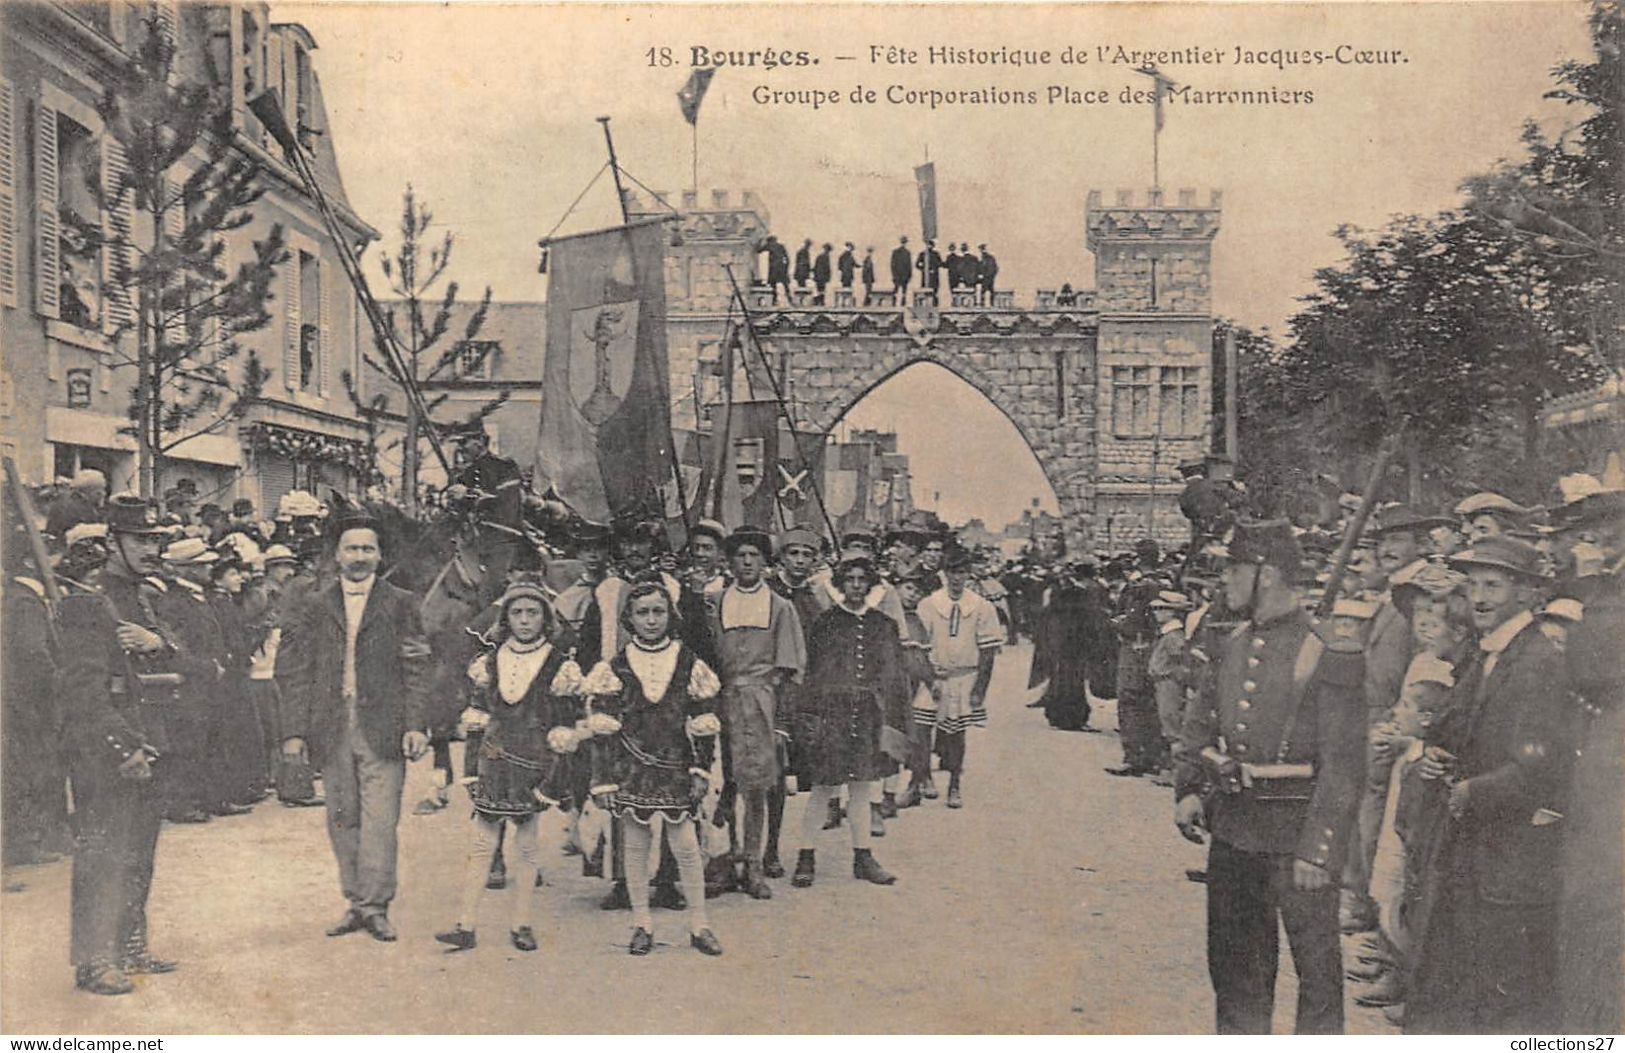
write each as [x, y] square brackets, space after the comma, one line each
[750, 457]
[840, 491]
[603, 350]
[882, 492]
[795, 484]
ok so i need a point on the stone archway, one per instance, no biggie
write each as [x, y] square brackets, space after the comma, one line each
[1042, 382]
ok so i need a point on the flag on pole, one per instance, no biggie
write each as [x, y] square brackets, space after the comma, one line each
[750, 478]
[1161, 83]
[606, 410]
[693, 93]
[925, 176]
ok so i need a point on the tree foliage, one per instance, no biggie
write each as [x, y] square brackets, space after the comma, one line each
[1449, 332]
[191, 189]
[420, 323]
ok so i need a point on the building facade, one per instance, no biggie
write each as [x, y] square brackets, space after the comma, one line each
[67, 373]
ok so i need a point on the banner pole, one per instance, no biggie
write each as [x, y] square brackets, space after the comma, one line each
[778, 396]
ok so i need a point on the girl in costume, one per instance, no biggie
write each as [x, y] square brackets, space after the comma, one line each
[528, 703]
[651, 712]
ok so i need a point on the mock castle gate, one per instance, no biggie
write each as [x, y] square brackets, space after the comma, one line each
[1110, 392]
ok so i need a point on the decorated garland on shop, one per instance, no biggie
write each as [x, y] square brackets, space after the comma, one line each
[307, 446]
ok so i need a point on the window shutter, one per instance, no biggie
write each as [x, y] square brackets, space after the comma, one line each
[290, 300]
[167, 13]
[276, 479]
[175, 214]
[117, 297]
[48, 244]
[8, 194]
[324, 318]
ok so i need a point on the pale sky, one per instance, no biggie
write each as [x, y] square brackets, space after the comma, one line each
[488, 110]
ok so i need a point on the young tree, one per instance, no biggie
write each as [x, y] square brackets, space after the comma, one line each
[413, 272]
[177, 169]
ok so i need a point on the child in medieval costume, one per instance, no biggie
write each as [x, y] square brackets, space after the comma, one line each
[652, 715]
[965, 637]
[849, 719]
[760, 649]
[528, 702]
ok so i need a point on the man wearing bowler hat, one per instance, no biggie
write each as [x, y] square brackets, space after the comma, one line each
[120, 677]
[354, 671]
[1270, 767]
[1499, 759]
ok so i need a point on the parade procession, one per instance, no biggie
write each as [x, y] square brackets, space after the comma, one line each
[381, 658]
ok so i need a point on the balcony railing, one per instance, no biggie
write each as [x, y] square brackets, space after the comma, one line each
[879, 299]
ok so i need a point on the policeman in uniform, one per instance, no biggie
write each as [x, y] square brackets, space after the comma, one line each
[1271, 763]
[119, 677]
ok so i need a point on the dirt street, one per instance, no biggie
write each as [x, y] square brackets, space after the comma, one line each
[1055, 901]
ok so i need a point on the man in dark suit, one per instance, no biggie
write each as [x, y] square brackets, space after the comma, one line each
[821, 272]
[868, 275]
[902, 269]
[354, 670]
[804, 263]
[778, 267]
[847, 265]
[1499, 758]
[929, 264]
[955, 268]
[1276, 744]
[987, 273]
[120, 678]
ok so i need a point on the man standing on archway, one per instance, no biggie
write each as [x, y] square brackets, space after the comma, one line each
[902, 269]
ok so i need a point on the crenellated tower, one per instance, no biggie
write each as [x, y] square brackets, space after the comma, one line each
[1153, 288]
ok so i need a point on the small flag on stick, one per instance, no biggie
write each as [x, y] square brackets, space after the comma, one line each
[694, 92]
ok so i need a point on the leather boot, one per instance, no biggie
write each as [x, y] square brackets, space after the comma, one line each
[866, 868]
[803, 877]
[877, 824]
[888, 806]
[755, 884]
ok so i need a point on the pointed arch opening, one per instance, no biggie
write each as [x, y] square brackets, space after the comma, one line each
[969, 460]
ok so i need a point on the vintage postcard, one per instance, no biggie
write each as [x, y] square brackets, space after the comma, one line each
[860, 518]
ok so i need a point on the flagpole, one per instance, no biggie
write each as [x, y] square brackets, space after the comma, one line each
[694, 133]
[671, 442]
[778, 396]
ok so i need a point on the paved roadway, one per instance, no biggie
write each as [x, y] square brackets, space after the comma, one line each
[1055, 901]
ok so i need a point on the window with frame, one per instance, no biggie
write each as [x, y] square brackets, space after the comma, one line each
[310, 322]
[79, 223]
[1181, 407]
[473, 358]
[1132, 409]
